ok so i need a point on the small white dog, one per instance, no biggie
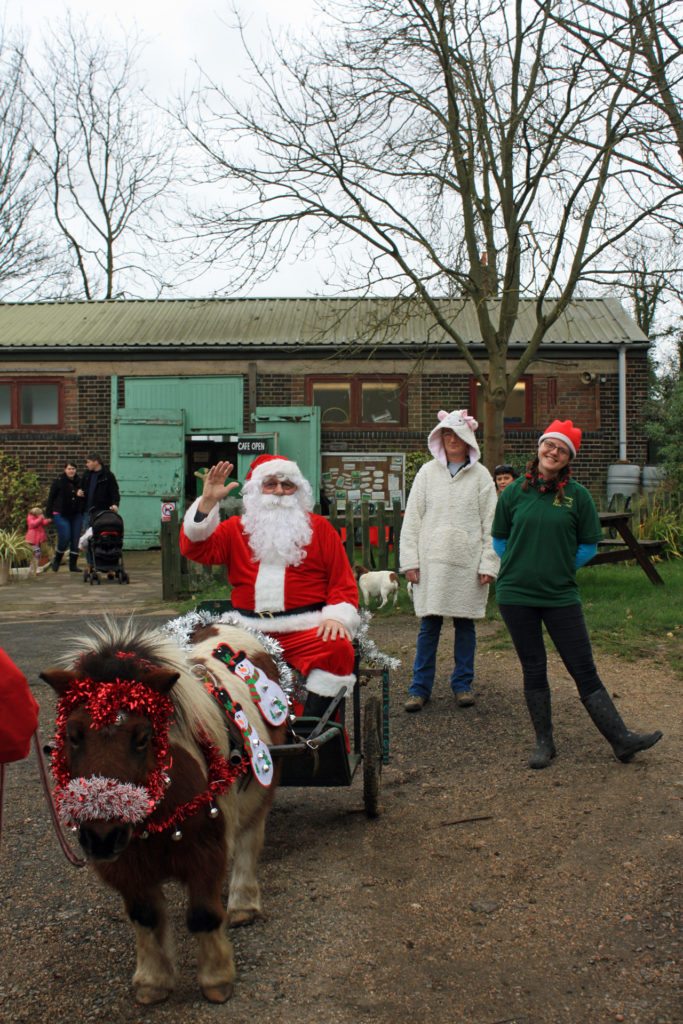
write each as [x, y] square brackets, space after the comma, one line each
[382, 584]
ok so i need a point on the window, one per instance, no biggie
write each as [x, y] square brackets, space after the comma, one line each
[30, 403]
[368, 402]
[519, 408]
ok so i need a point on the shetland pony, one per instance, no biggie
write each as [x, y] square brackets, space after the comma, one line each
[147, 771]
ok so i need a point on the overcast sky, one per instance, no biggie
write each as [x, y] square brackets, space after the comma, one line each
[178, 33]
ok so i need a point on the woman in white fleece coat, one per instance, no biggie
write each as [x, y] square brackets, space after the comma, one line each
[447, 553]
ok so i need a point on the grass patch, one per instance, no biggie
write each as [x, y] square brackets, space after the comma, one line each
[625, 613]
[629, 616]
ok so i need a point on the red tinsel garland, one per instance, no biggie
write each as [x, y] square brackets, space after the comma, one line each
[104, 702]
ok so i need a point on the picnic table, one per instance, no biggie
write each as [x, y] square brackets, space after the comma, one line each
[625, 546]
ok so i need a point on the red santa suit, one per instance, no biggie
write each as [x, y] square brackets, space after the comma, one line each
[298, 597]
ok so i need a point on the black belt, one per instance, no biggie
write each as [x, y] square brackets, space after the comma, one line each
[279, 615]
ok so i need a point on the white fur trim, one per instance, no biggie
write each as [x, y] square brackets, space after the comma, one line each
[555, 435]
[281, 467]
[344, 613]
[325, 684]
[269, 589]
[200, 531]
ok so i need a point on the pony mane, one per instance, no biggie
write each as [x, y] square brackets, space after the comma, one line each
[97, 653]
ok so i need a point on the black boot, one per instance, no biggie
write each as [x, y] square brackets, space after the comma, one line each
[608, 720]
[538, 703]
[73, 561]
[57, 560]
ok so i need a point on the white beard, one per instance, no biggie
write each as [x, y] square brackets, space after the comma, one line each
[278, 527]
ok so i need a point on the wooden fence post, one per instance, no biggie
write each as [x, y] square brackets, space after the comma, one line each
[171, 582]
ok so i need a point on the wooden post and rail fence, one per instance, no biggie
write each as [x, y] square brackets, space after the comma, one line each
[372, 538]
[369, 538]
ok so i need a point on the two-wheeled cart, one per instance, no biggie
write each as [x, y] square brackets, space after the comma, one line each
[317, 750]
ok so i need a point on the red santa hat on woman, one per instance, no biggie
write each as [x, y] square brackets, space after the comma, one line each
[565, 431]
[274, 465]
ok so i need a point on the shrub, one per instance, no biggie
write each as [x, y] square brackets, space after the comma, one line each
[20, 491]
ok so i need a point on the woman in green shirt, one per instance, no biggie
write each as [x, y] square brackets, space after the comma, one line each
[545, 527]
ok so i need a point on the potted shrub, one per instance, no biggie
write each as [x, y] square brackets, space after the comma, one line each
[13, 547]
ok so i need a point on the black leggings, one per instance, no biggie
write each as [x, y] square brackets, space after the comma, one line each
[567, 630]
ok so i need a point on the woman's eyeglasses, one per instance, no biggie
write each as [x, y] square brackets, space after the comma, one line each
[550, 446]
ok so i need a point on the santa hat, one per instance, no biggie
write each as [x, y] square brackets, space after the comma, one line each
[563, 430]
[274, 465]
[462, 424]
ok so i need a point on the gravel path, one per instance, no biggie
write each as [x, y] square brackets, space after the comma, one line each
[483, 894]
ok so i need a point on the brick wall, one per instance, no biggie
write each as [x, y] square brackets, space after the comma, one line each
[593, 406]
[86, 428]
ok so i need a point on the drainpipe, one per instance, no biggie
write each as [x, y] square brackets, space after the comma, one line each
[622, 403]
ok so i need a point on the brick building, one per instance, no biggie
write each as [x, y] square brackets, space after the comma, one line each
[70, 370]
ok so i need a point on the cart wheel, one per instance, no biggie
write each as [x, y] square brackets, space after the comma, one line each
[97, 578]
[86, 574]
[125, 578]
[372, 756]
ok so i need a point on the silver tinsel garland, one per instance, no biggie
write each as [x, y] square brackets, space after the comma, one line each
[182, 628]
[368, 648]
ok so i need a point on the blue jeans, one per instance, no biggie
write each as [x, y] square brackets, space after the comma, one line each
[424, 666]
[567, 630]
[68, 532]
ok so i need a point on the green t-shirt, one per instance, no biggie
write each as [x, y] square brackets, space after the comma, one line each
[543, 534]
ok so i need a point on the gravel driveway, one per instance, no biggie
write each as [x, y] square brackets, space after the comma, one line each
[484, 893]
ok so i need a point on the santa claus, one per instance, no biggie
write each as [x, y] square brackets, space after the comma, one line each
[287, 566]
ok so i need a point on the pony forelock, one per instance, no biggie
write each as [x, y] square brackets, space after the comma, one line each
[98, 651]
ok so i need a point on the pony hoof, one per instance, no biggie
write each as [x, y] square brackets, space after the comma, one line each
[217, 993]
[148, 994]
[241, 918]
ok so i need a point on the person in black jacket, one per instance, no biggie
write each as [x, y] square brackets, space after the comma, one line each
[99, 488]
[65, 508]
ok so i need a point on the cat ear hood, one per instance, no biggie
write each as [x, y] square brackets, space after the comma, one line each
[462, 424]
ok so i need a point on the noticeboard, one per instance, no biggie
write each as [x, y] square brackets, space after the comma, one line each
[378, 477]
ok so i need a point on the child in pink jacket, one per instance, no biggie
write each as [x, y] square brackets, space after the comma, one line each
[36, 535]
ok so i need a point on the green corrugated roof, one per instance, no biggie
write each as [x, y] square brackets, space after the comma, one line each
[282, 323]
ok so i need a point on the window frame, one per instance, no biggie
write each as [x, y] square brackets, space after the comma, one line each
[15, 385]
[355, 383]
[528, 381]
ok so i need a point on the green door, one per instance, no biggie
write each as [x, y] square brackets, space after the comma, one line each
[148, 459]
[296, 430]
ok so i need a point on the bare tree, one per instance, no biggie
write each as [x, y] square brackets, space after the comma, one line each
[471, 150]
[648, 34]
[22, 250]
[109, 162]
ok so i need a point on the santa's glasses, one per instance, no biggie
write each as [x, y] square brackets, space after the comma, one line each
[271, 484]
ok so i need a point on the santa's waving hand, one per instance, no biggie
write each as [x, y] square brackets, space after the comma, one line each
[215, 489]
[287, 566]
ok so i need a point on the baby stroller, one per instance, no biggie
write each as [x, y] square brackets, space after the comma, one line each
[105, 548]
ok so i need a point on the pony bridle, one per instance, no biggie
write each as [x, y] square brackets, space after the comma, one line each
[97, 798]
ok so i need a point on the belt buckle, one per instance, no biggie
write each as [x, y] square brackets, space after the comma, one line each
[266, 615]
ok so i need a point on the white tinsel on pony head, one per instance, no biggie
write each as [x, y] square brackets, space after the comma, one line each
[101, 799]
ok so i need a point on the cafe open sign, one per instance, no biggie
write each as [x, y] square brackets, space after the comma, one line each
[167, 508]
[252, 446]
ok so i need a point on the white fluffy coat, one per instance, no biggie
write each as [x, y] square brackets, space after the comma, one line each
[446, 534]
